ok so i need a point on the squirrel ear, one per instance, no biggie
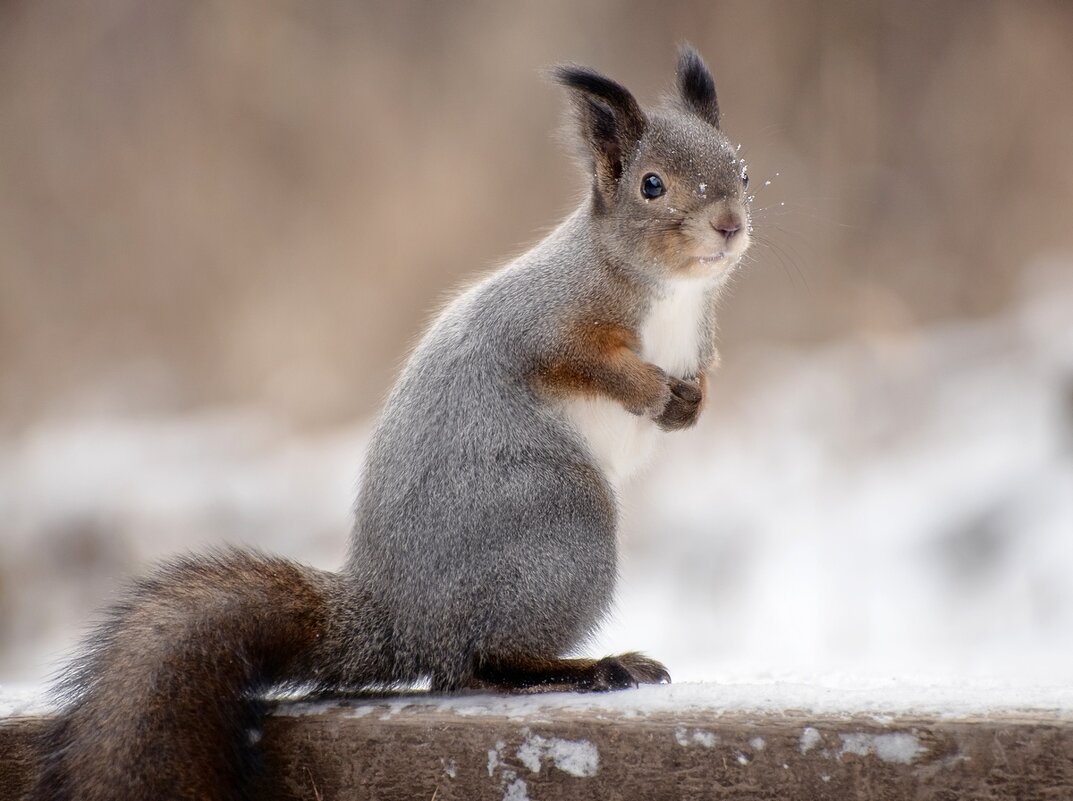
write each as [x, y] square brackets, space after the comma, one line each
[696, 87]
[611, 120]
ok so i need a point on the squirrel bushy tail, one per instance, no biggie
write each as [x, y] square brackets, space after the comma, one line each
[172, 678]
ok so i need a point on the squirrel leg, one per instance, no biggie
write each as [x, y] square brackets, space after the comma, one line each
[601, 359]
[535, 674]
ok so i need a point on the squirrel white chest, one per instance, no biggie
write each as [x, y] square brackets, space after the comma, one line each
[672, 329]
[671, 338]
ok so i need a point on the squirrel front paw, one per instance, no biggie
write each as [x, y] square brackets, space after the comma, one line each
[652, 393]
[683, 407]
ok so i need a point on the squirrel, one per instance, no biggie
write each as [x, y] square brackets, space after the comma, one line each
[484, 541]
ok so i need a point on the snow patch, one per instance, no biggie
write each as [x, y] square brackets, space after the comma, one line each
[897, 747]
[22, 701]
[495, 757]
[702, 737]
[577, 757]
[516, 791]
[299, 709]
[882, 701]
[810, 738]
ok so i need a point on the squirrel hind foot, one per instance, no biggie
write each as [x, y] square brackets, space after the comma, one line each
[629, 670]
[536, 675]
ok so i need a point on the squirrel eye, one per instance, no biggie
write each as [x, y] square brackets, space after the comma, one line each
[652, 186]
[744, 179]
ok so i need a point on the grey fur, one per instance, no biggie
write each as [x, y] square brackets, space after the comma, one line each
[468, 457]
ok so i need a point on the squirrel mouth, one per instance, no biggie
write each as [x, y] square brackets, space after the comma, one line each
[713, 258]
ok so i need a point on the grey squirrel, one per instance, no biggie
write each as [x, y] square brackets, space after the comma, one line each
[484, 545]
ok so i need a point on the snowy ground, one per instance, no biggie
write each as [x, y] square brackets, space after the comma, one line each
[880, 699]
[879, 513]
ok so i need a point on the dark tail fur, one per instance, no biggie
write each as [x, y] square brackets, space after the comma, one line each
[164, 703]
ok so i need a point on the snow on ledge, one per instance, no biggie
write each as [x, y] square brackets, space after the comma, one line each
[883, 700]
[17, 701]
[835, 697]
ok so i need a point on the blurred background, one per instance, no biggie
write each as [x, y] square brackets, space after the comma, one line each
[223, 224]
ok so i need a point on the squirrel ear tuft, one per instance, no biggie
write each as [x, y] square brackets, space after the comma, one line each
[696, 87]
[611, 120]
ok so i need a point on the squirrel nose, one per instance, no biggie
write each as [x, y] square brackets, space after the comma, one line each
[727, 224]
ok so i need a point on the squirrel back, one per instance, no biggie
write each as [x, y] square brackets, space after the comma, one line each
[484, 543]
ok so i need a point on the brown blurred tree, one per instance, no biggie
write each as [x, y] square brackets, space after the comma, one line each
[247, 202]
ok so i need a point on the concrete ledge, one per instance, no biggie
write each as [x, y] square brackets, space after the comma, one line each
[548, 748]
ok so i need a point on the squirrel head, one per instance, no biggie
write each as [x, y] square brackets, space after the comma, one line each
[668, 189]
